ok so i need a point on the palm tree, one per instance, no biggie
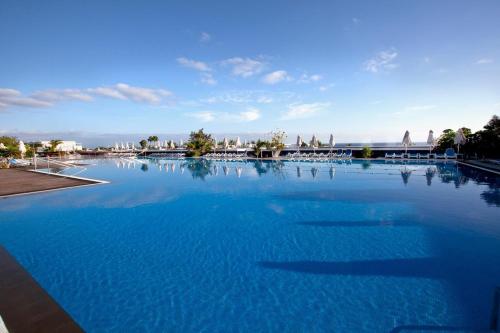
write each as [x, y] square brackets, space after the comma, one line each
[152, 138]
[259, 147]
[53, 146]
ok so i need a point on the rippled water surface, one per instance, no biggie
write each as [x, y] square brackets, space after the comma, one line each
[218, 246]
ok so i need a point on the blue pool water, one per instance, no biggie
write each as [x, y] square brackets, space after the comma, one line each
[190, 246]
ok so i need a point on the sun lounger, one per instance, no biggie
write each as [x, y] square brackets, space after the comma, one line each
[19, 162]
[413, 156]
[387, 155]
[440, 156]
[450, 153]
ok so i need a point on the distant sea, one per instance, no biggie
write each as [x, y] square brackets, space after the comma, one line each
[93, 140]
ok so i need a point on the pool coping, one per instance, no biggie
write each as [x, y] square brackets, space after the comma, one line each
[92, 182]
[26, 306]
[472, 165]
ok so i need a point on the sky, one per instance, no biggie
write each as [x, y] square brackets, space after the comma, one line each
[365, 71]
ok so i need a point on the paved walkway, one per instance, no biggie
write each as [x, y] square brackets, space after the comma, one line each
[25, 306]
[489, 166]
[19, 181]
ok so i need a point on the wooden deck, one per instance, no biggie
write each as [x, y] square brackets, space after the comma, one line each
[19, 181]
[25, 306]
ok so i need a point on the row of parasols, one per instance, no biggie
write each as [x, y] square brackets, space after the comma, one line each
[431, 141]
[166, 144]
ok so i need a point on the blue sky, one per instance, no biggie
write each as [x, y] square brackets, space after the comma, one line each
[364, 70]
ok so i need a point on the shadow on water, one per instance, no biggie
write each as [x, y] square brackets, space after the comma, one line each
[372, 196]
[356, 223]
[471, 271]
[433, 268]
[434, 328]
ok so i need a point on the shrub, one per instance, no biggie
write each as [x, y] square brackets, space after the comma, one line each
[367, 152]
[199, 143]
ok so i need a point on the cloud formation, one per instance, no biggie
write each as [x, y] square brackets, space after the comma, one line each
[194, 64]
[484, 61]
[301, 111]
[248, 97]
[205, 37]
[306, 78]
[50, 97]
[137, 94]
[208, 78]
[383, 61]
[276, 77]
[244, 67]
[250, 114]
[415, 109]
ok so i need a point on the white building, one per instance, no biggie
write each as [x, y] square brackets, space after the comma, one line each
[64, 146]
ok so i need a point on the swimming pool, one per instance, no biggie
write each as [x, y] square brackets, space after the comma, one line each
[198, 245]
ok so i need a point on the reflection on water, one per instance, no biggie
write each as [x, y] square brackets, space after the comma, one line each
[405, 174]
[410, 173]
[429, 174]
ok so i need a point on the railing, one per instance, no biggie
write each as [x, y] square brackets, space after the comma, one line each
[62, 164]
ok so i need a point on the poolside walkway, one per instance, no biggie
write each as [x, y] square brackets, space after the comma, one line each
[21, 181]
[483, 164]
[25, 306]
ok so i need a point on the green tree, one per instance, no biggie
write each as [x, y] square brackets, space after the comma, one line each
[11, 145]
[152, 139]
[260, 146]
[367, 152]
[54, 144]
[486, 142]
[446, 139]
[199, 143]
[143, 143]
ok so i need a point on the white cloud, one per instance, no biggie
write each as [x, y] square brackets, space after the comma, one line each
[12, 97]
[244, 67]
[264, 100]
[55, 95]
[107, 92]
[249, 97]
[208, 78]
[382, 61]
[300, 111]
[139, 94]
[415, 109]
[203, 116]
[250, 114]
[6, 92]
[306, 78]
[325, 87]
[193, 64]
[276, 77]
[484, 61]
[205, 37]
[49, 97]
